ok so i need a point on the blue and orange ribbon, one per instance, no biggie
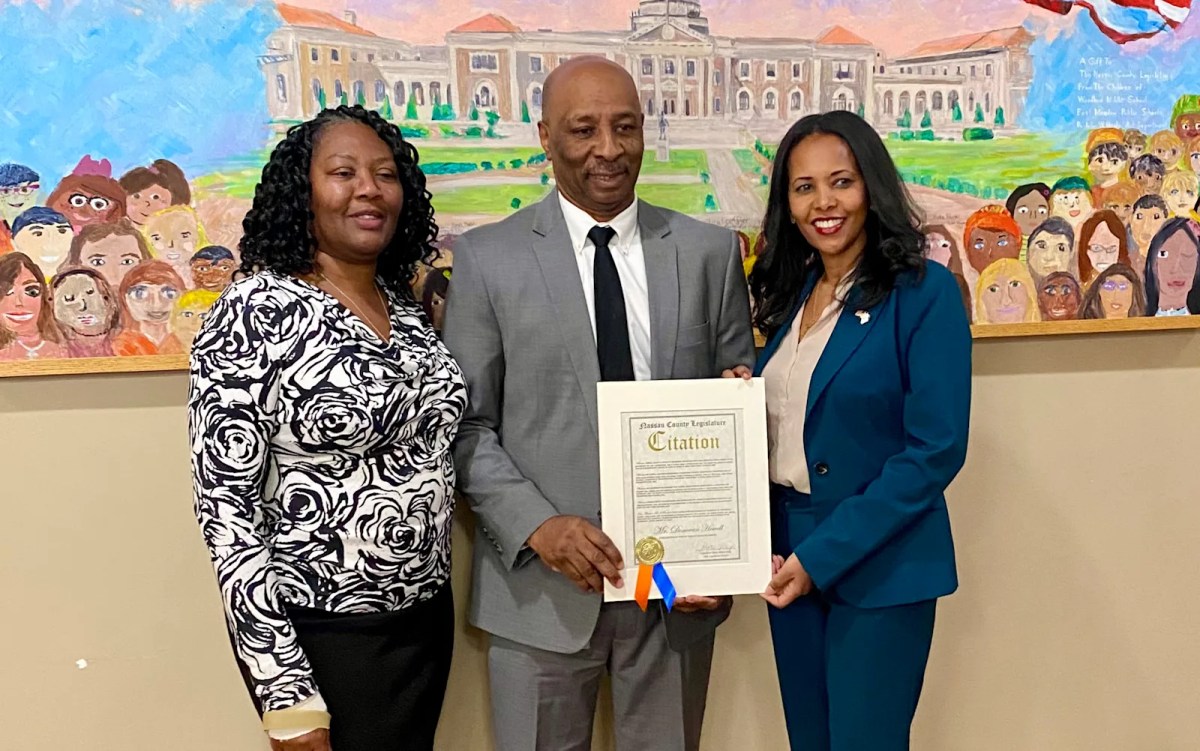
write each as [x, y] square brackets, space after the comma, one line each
[649, 553]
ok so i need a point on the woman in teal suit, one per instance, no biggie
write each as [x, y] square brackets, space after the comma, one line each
[868, 380]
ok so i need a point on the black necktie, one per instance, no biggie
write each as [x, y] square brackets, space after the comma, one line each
[612, 327]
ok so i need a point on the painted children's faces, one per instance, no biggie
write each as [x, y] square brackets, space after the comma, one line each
[986, 246]
[1049, 253]
[21, 307]
[1072, 205]
[213, 276]
[1031, 210]
[173, 236]
[151, 303]
[47, 244]
[113, 257]
[938, 248]
[1059, 298]
[1145, 223]
[80, 306]
[16, 198]
[1007, 300]
[1116, 296]
[143, 203]
[1104, 248]
[1175, 270]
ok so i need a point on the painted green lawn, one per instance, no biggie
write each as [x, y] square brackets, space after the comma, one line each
[486, 199]
[686, 199]
[683, 162]
[988, 168]
[746, 159]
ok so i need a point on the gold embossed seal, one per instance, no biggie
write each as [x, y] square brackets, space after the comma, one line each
[648, 550]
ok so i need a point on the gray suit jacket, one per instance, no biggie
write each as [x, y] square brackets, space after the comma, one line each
[527, 450]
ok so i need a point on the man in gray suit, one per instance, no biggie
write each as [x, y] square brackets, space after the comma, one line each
[590, 284]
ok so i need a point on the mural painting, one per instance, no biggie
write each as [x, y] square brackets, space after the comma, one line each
[1052, 145]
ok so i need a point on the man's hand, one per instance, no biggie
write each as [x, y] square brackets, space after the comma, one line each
[692, 603]
[790, 582]
[739, 371]
[579, 550]
[317, 740]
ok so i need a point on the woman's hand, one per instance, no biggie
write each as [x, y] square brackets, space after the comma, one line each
[740, 371]
[790, 582]
[317, 740]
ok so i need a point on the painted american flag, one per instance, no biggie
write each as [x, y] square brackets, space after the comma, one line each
[1126, 20]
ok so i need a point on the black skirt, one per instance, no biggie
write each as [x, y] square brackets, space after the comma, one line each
[382, 675]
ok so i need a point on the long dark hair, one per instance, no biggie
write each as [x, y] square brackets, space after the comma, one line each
[1178, 224]
[894, 241]
[277, 231]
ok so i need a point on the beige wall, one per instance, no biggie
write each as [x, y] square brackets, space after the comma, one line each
[1076, 519]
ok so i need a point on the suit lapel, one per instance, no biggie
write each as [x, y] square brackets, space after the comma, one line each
[853, 325]
[662, 284]
[555, 256]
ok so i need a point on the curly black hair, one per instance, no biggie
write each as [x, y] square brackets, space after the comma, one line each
[895, 244]
[277, 231]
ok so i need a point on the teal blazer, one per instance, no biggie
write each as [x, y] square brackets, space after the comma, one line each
[885, 432]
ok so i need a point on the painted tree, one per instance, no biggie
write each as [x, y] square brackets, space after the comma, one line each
[978, 112]
[515, 203]
[474, 113]
[343, 100]
[525, 112]
[926, 120]
[956, 113]
[321, 101]
[862, 109]
[493, 117]
[410, 112]
[999, 119]
[386, 110]
[905, 120]
[360, 96]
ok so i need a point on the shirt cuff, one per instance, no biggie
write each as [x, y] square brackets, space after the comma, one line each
[314, 702]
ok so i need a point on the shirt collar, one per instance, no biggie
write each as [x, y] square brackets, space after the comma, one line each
[579, 223]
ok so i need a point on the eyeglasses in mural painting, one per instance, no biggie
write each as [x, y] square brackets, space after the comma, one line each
[1053, 145]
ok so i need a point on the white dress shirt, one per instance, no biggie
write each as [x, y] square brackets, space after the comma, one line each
[787, 377]
[627, 254]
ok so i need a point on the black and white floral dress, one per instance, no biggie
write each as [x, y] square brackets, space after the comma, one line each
[321, 464]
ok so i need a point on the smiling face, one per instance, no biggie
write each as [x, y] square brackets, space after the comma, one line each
[1049, 253]
[1059, 298]
[173, 235]
[1031, 210]
[142, 204]
[1116, 296]
[81, 306]
[86, 199]
[827, 198]
[356, 192]
[21, 306]
[591, 129]
[1104, 248]
[1006, 300]
[150, 303]
[16, 198]
[46, 244]
[1072, 205]
[213, 276]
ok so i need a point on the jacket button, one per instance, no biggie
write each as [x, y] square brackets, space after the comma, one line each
[822, 468]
